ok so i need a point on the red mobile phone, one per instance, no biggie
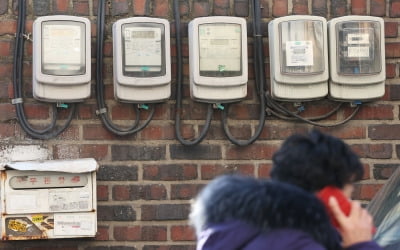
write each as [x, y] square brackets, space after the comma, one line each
[344, 203]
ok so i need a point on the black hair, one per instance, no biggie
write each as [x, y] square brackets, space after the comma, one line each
[315, 160]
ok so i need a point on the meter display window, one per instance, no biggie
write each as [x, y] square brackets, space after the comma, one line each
[63, 48]
[220, 49]
[358, 48]
[302, 47]
[143, 49]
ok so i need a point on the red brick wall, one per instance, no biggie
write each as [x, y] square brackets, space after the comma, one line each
[146, 181]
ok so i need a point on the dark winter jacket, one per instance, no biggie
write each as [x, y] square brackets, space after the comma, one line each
[239, 213]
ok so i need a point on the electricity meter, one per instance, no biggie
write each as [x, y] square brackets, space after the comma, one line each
[298, 57]
[142, 61]
[61, 58]
[218, 59]
[357, 58]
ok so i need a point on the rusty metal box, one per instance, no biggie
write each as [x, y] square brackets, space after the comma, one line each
[48, 199]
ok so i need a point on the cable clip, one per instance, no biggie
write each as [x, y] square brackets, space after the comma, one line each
[17, 101]
[62, 105]
[143, 106]
[27, 36]
[300, 106]
[355, 103]
[101, 111]
[218, 106]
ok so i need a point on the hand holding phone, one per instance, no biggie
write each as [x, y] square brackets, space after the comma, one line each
[344, 203]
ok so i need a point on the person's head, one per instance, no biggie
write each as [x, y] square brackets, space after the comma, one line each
[315, 160]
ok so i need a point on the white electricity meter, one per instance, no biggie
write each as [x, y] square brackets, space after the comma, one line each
[61, 58]
[142, 61]
[357, 58]
[218, 59]
[298, 57]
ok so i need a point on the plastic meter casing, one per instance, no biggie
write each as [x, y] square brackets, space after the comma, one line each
[61, 58]
[142, 61]
[357, 58]
[218, 59]
[298, 58]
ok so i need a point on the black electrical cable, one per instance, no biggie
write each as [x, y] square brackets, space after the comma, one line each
[259, 79]
[178, 104]
[51, 130]
[306, 120]
[102, 110]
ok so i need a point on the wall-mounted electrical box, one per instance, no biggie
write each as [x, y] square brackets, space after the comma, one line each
[298, 57]
[357, 58]
[48, 199]
[142, 61]
[218, 59]
[61, 58]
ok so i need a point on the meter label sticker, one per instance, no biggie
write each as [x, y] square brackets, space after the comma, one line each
[74, 224]
[142, 47]
[69, 201]
[299, 53]
[358, 38]
[220, 47]
[37, 218]
[358, 51]
[61, 44]
[21, 203]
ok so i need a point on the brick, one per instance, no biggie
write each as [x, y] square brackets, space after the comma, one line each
[264, 9]
[169, 247]
[7, 112]
[394, 92]
[221, 7]
[136, 233]
[264, 171]
[96, 151]
[169, 172]
[377, 7]
[240, 132]
[140, 7]
[392, 50]
[358, 7]
[165, 212]
[61, 6]
[197, 152]
[251, 152]
[279, 8]
[102, 233]
[6, 48]
[8, 27]
[365, 191]
[97, 132]
[201, 8]
[137, 153]
[347, 132]
[65, 151]
[151, 132]
[210, 171]
[3, 7]
[5, 70]
[117, 173]
[241, 8]
[384, 132]
[185, 191]
[338, 8]
[384, 171]
[119, 7]
[139, 192]
[160, 8]
[391, 70]
[374, 151]
[37, 111]
[81, 7]
[391, 29]
[319, 8]
[111, 248]
[6, 130]
[373, 112]
[182, 233]
[116, 213]
[41, 7]
[300, 7]
[274, 132]
[102, 192]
